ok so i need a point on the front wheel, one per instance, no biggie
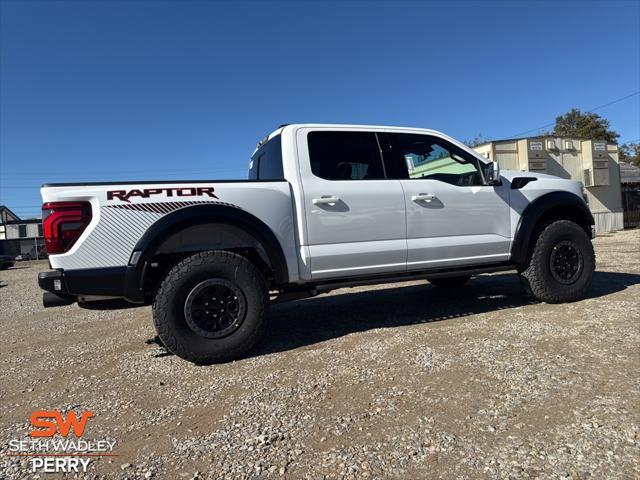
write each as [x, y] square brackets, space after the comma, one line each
[561, 264]
[211, 307]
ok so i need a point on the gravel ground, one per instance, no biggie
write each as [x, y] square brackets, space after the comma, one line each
[393, 381]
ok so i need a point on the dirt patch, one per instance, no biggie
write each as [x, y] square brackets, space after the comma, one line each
[392, 381]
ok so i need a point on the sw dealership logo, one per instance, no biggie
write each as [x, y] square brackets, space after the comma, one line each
[57, 444]
[53, 422]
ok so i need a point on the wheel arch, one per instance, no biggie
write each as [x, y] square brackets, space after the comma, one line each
[547, 208]
[187, 224]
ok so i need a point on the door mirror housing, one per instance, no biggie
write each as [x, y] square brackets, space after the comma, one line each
[493, 173]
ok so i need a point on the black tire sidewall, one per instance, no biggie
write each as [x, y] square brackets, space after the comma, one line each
[189, 344]
[550, 237]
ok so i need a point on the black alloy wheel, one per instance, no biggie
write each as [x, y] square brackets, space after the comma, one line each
[215, 308]
[566, 262]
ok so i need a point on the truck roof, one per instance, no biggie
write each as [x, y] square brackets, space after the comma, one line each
[280, 128]
[347, 125]
[427, 131]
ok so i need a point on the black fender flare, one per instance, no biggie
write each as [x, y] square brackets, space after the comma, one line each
[190, 216]
[565, 204]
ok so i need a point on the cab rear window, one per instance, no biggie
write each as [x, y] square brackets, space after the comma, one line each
[266, 163]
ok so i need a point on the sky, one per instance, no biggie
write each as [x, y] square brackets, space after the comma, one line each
[134, 90]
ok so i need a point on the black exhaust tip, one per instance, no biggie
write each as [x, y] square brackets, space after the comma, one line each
[53, 300]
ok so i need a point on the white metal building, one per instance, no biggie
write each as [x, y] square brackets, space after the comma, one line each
[19, 236]
[593, 162]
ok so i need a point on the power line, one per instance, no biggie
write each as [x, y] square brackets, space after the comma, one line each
[588, 111]
[170, 177]
[24, 207]
[125, 172]
[614, 101]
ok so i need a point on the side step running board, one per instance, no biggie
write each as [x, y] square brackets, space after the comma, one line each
[312, 291]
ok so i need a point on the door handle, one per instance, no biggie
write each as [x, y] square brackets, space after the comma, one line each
[423, 197]
[325, 200]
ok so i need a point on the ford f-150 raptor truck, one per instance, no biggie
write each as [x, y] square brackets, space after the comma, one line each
[324, 207]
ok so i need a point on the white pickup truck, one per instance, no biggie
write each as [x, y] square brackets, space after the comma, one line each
[325, 206]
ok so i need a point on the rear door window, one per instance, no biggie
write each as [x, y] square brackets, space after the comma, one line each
[345, 155]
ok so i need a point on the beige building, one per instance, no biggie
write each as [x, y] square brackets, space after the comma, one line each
[593, 162]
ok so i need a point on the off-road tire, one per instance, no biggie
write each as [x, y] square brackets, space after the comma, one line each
[537, 276]
[449, 282]
[169, 307]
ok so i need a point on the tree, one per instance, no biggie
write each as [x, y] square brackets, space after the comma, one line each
[477, 140]
[584, 125]
[629, 152]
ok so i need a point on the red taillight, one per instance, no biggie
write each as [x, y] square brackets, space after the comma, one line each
[63, 223]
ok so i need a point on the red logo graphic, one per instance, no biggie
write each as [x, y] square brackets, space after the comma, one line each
[50, 421]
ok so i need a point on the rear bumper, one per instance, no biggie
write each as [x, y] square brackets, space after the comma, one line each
[52, 281]
[56, 291]
[70, 285]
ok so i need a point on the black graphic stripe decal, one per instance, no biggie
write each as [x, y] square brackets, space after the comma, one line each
[159, 207]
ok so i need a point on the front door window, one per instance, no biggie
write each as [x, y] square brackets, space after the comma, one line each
[427, 157]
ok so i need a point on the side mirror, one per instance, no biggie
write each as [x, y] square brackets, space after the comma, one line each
[493, 174]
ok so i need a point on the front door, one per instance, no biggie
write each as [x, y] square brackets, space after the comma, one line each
[453, 217]
[355, 217]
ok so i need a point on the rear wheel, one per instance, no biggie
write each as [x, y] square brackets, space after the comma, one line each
[561, 263]
[449, 282]
[211, 307]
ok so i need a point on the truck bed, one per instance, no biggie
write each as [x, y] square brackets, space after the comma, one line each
[123, 211]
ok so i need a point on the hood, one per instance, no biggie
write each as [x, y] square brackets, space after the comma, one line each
[511, 174]
[546, 182]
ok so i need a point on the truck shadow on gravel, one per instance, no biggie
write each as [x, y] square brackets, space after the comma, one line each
[306, 322]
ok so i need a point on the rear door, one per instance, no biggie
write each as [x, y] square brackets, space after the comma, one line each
[453, 218]
[355, 217]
